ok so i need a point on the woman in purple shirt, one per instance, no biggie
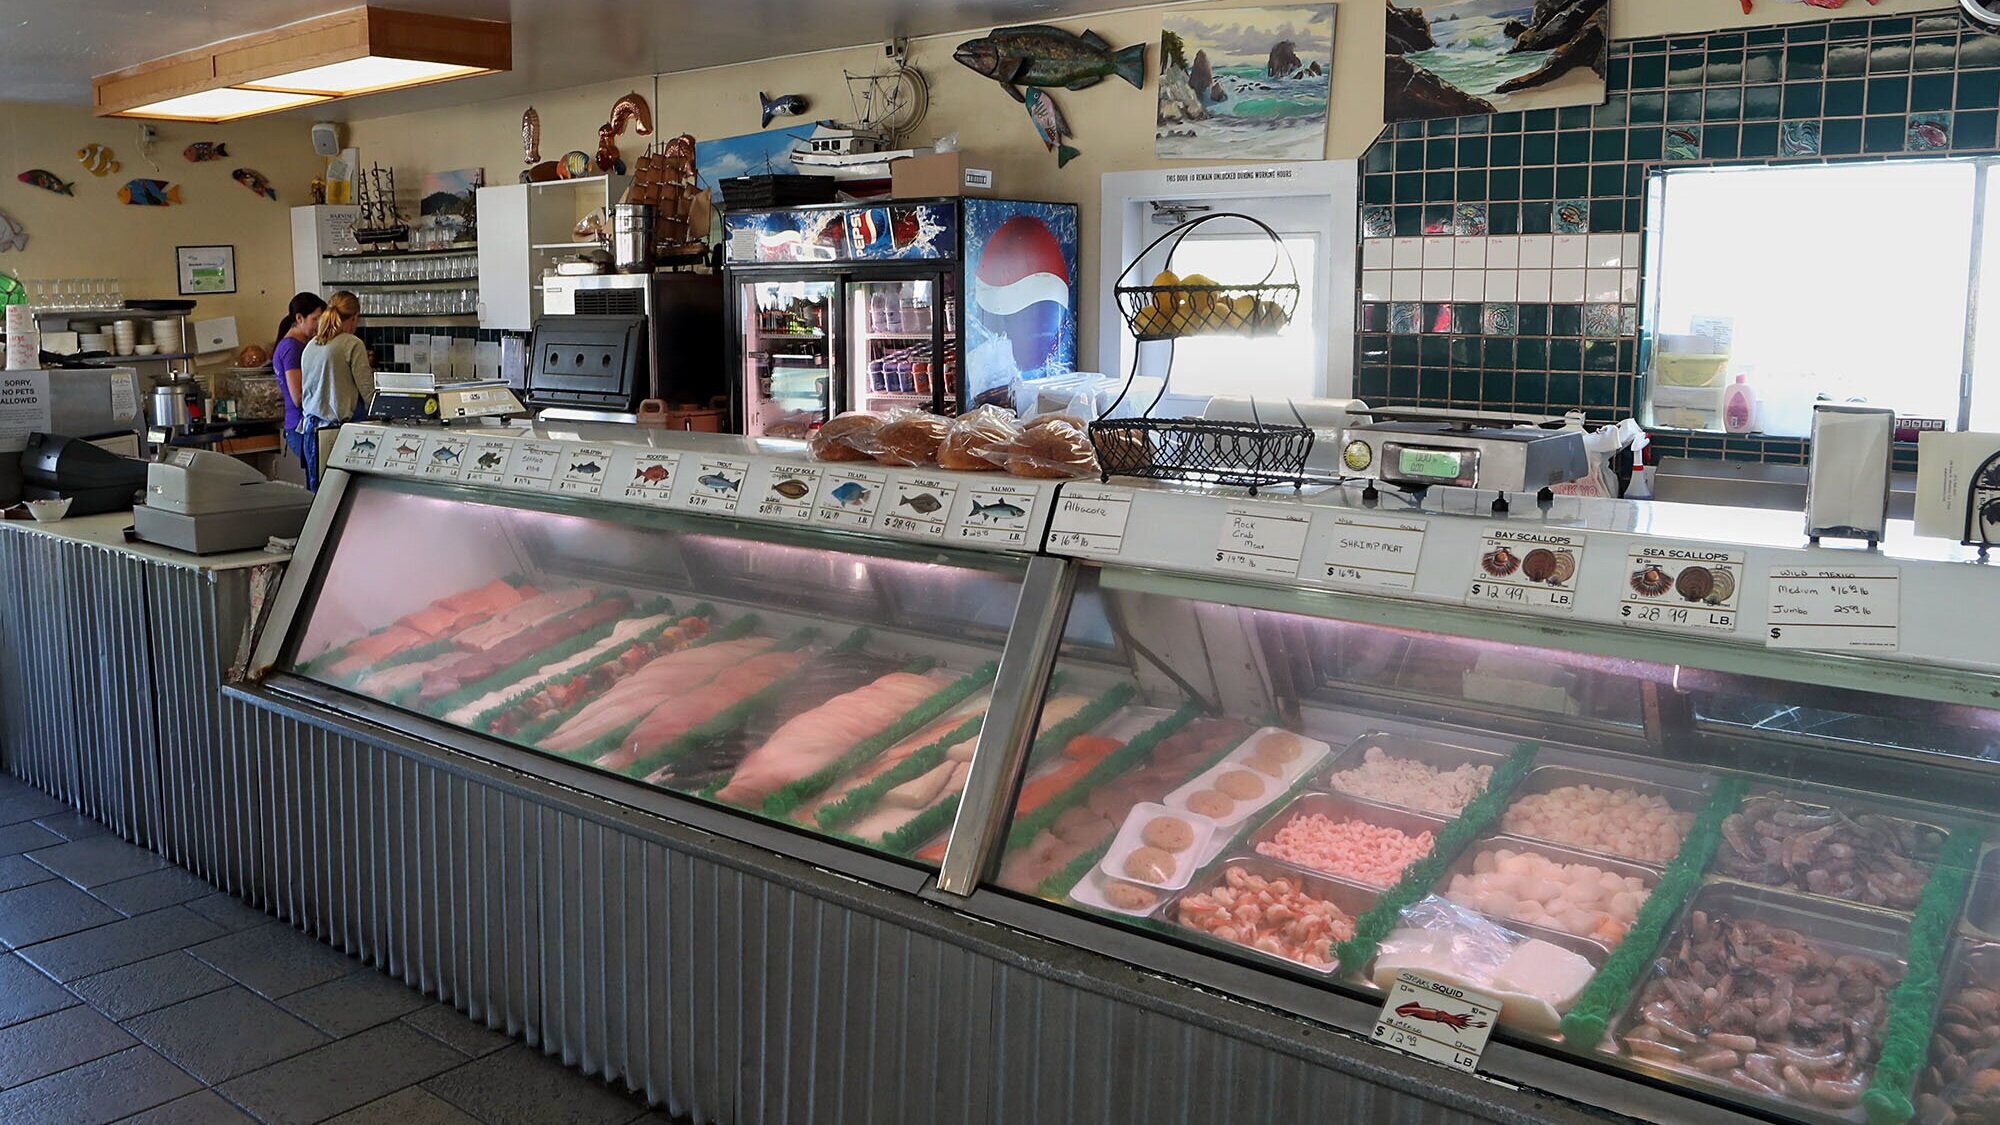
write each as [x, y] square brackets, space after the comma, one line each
[301, 317]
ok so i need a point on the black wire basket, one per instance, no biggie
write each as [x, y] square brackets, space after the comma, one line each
[1246, 454]
[1207, 308]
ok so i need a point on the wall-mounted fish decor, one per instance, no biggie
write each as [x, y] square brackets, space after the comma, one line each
[97, 160]
[1036, 54]
[784, 105]
[255, 181]
[46, 180]
[149, 193]
[204, 150]
[629, 110]
[12, 237]
[1049, 124]
[531, 137]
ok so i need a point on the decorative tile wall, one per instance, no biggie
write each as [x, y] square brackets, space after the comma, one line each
[1464, 220]
[382, 339]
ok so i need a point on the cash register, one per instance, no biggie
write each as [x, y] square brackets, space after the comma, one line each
[205, 502]
[92, 479]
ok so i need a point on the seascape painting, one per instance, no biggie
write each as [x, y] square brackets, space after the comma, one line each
[447, 205]
[768, 153]
[1467, 57]
[1244, 83]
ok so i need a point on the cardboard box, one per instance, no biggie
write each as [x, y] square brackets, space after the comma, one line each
[939, 174]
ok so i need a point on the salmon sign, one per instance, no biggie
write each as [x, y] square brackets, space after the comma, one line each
[1436, 1021]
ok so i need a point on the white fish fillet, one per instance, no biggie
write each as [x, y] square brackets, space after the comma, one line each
[815, 739]
[660, 680]
[625, 633]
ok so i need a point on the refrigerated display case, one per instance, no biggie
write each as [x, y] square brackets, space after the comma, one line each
[945, 303]
[789, 335]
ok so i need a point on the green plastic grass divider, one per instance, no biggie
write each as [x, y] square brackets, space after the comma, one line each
[787, 800]
[1419, 877]
[1913, 1003]
[533, 735]
[484, 720]
[1590, 1017]
[938, 817]
[1058, 884]
[466, 693]
[722, 722]
[851, 807]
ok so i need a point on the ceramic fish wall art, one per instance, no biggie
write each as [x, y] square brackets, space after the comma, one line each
[784, 105]
[205, 150]
[1049, 124]
[46, 180]
[255, 181]
[1039, 55]
[149, 193]
[97, 160]
[531, 137]
[12, 237]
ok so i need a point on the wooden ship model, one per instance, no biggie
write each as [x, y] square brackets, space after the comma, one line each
[665, 179]
[381, 223]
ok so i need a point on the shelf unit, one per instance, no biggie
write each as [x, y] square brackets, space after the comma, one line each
[320, 247]
[524, 229]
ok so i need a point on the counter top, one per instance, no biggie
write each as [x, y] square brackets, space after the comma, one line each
[108, 531]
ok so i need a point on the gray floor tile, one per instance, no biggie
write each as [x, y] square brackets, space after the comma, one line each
[97, 859]
[25, 992]
[25, 837]
[48, 910]
[97, 1092]
[229, 912]
[151, 891]
[20, 871]
[412, 1106]
[119, 943]
[355, 1002]
[142, 986]
[204, 1107]
[28, 806]
[223, 1034]
[57, 1041]
[522, 1086]
[457, 1030]
[275, 960]
[341, 1075]
[72, 825]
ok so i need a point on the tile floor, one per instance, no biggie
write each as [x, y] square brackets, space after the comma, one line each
[132, 991]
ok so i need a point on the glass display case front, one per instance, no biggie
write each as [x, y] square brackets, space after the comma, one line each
[837, 691]
[787, 355]
[1748, 888]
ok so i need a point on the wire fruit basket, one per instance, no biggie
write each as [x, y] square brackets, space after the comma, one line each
[1173, 306]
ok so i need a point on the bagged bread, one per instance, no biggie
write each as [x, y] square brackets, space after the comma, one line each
[909, 437]
[1050, 448]
[972, 436]
[847, 437]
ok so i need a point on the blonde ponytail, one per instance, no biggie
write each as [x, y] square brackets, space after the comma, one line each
[339, 307]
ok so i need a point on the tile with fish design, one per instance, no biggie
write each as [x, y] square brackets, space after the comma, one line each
[1469, 219]
[1570, 216]
[1927, 132]
[1403, 316]
[1684, 142]
[1378, 222]
[1600, 321]
[1500, 319]
[1799, 138]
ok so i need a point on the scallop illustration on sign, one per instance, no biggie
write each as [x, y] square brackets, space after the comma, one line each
[1499, 562]
[1723, 587]
[1695, 583]
[1651, 581]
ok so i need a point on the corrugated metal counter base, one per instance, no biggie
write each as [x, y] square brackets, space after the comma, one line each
[733, 985]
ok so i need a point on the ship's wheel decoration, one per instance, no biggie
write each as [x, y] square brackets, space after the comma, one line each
[1982, 505]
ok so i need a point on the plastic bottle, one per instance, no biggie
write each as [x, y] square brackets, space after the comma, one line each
[1739, 408]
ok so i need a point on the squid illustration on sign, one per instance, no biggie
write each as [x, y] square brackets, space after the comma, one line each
[630, 109]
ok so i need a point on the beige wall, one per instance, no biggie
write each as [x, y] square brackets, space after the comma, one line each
[92, 234]
[1113, 123]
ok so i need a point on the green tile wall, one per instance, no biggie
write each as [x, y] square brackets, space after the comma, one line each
[1853, 88]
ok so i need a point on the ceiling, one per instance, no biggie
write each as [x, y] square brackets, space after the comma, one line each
[48, 51]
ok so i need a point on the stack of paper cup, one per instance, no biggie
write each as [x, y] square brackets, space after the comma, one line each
[167, 334]
[24, 345]
[124, 334]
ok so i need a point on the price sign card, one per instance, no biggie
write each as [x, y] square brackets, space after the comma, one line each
[1090, 521]
[443, 456]
[584, 469]
[534, 465]
[997, 513]
[1527, 571]
[1440, 1022]
[849, 497]
[1835, 608]
[917, 506]
[1375, 552]
[1681, 588]
[790, 491]
[1263, 542]
[402, 452]
[648, 477]
[359, 447]
[717, 485]
[486, 460]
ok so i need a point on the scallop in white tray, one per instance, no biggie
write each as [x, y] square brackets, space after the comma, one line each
[1119, 896]
[1253, 775]
[1158, 847]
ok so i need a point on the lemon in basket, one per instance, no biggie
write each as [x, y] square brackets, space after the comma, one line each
[1165, 298]
[1243, 311]
[1150, 321]
[1200, 294]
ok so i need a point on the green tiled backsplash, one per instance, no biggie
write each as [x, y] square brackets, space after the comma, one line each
[1485, 191]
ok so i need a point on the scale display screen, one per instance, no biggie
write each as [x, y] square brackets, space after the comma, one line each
[1431, 464]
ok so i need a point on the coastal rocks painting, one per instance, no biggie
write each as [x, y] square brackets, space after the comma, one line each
[1464, 57]
[1244, 83]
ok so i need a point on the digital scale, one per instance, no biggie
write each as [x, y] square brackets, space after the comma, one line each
[421, 398]
[1416, 447]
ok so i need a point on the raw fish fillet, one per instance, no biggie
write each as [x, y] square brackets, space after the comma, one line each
[556, 631]
[375, 649]
[637, 695]
[678, 716]
[713, 760]
[520, 618]
[815, 739]
[565, 695]
[487, 600]
[1054, 711]
[623, 635]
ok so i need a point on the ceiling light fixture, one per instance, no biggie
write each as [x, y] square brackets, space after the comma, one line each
[358, 51]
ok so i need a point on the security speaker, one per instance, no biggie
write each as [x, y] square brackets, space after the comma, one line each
[326, 138]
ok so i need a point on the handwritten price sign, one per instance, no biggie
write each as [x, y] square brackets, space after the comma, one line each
[1854, 609]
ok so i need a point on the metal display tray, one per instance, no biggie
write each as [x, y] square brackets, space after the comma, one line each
[1982, 901]
[1544, 779]
[1649, 874]
[1353, 899]
[1440, 756]
[1823, 803]
[1970, 964]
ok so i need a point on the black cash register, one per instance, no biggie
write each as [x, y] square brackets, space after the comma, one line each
[95, 480]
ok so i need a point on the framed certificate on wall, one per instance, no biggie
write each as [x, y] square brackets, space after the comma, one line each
[206, 269]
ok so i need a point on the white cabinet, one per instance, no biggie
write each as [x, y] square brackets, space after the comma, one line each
[318, 232]
[525, 229]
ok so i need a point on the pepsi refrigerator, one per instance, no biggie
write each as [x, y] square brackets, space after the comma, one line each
[937, 305]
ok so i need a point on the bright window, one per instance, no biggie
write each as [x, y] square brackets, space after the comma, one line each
[1272, 368]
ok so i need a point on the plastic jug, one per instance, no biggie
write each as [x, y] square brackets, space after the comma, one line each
[1739, 408]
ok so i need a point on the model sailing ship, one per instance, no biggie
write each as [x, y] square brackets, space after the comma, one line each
[381, 223]
[888, 106]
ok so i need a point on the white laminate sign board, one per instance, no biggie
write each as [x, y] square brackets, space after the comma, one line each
[25, 404]
[1680, 587]
[533, 465]
[443, 457]
[358, 447]
[998, 512]
[1090, 521]
[1265, 542]
[1440, 1022]
[486, 461]
[917, 506]
[787, 492]
[583, 470]
[1525, 571]
[402, 452]
[1374, 552]
[713, 484]
[642, 476]
[1835, 608]
[849, 497]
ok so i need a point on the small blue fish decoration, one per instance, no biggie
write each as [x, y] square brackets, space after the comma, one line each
[1049, 124]
[717, 482]
[997, 510]
[200, 151]
[784, 105]
[149, 193]
[850, 493]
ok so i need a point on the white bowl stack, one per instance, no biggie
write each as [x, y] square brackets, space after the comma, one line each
[167, 334]
[124, 333]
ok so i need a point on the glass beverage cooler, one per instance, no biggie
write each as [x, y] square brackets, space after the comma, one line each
[931, 305]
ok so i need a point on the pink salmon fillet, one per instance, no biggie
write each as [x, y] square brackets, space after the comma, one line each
[520, 618]
[818, 737]
[678, 716]
[638, 694]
